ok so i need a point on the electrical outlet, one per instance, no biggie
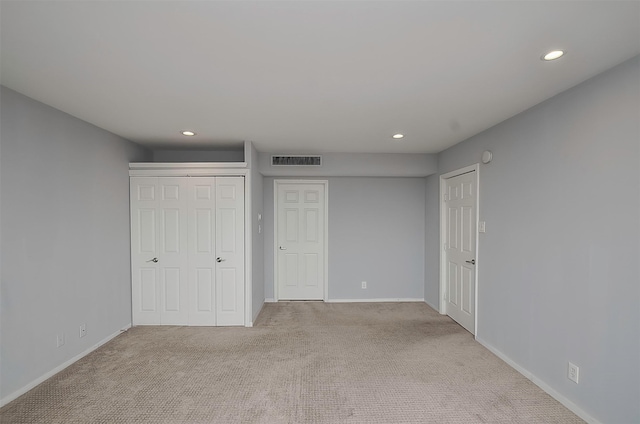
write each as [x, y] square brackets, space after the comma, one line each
[573, 372]
[364, 284]
[83, 330]
[60, 340]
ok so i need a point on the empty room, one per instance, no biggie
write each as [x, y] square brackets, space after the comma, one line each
[305, 212]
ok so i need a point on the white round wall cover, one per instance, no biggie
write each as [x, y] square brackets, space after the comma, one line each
[487, 156]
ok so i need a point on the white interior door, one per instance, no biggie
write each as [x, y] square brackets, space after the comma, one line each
[230, 251]
[144, 251]
[159, 251]
[460, 248]
[300, 240]
[187, 244]
[202, 263]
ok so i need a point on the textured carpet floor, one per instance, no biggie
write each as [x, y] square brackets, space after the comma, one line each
[303, 362]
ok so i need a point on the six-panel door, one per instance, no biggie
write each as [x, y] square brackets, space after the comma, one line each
[159, 251]
[202, 249]
[185, 268]
[230, 251]
[300, 241]
[460, 202]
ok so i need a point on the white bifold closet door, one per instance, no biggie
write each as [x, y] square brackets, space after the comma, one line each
[187, 250]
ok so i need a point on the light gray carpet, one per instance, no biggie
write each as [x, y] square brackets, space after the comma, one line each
[303, 362]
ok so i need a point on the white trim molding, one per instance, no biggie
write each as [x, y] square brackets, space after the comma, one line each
[59, 368]
[540, 383]
[434, 307]
[187, 169]
[255, 314]
[377, 300]
[213, 169]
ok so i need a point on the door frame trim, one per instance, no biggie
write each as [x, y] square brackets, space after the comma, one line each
[212, 169]
[443, 234]
[325, 235]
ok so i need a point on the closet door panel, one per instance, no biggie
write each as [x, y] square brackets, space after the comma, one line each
[204, 293]
[145, 284]
[202, 233]
[159, 250]
[230, 251]
[173, 250]
[187, 250]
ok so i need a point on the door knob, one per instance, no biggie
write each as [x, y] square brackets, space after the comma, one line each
[219, 260]
[153, 260]
[283, 248]
[472, 262]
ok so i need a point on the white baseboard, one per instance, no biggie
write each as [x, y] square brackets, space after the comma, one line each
[435, 308]
[393, 299]
[255, 315]
[538, 382]
[59, 368]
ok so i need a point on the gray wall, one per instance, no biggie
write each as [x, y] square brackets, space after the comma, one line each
[376, 234]
[65, 237]
[199, 155]
[558, 265]
[257, 244]
[432, 243]
[356, 165]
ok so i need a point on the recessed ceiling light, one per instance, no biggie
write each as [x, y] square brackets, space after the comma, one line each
[398, 136]
[553, 55]
[188, 133]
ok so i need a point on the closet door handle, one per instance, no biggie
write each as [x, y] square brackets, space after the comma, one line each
[153, 260]
[472, 262]
[283, 248]
[219, 260]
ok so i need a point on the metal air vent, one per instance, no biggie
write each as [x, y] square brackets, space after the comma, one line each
[296, 160]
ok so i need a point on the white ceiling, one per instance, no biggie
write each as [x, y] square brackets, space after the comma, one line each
[306, 76]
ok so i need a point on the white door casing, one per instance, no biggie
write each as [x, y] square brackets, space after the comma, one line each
[459, 217]
[176, 238]
[300, 240]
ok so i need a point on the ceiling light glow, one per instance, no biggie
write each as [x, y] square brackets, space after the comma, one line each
[553, 55]
[398, 136]
[188, 133]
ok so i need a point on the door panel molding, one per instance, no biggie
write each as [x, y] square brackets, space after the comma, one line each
[291, 198]
[444, 228]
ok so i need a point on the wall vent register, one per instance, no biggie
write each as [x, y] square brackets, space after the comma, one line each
[296, 160]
